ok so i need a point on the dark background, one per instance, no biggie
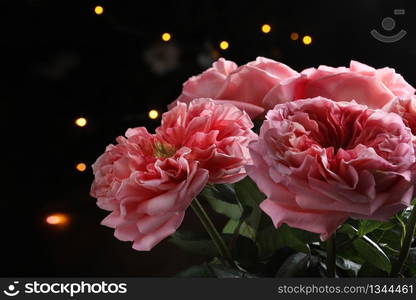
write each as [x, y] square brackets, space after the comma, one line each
[61, 61]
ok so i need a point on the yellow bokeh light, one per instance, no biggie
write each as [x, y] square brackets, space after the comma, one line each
[153, 114]
[81, 167]
[99, 10]
[266, 28]
[294, 36]
[57, 219]
[224, 45]
[166, 36]
[307, 40]
[81, 122]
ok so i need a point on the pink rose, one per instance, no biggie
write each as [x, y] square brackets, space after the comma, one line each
[146, 184]
[359, 82]
[148, 180]
[245, 87]
[320, 162]
[406, 108]
[218, 136]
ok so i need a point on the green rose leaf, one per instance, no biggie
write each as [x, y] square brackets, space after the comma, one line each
[294, 265]
[197, 243]
[411, 262]
[202, 270]
[223, 200]
[369, 270]
[250, 197]
[348, 265]
[270, 239]
[233, 211]
[222, 271]
[242, 228]
[372, 253]
[367, 226]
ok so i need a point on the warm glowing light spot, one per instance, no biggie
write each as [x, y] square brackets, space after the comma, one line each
[294, 36]
[153, 114]
[57, 219]
[166, 37]
[266, 28]
[99, 10]
[224, 45]
[81, 122]
[81, 167]
[307, 40]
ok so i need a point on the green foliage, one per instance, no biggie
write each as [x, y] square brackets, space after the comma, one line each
[367, 226]
[193, 242]
[365, 248]
[270, 239]
[372, 254]
[411, 262]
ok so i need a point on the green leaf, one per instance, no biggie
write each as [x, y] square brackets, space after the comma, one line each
[348, 229]
[197, 243]
[270, 239]
[411, 262]
[222, 271]
[202, 270]
[250, 197]
[372, 253]
[245, 230]
[348, 265]
[391, 238]
[369, 270]
[243, 250]
[387, 226]
[233, 211]
[223, 200]
[294, 265]
[248, 193]
[224, 192]
[367, 226]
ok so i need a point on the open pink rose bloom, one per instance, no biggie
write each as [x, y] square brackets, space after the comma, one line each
[245, 86]
[320, 162]
[147, 181]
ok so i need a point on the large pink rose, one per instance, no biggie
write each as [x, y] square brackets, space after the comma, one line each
[245, 87]
[218, 136]
[146, 184]
[359, 82]
[320, 162]
[148, 180]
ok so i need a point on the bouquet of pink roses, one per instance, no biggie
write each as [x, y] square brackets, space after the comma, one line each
[321, 186]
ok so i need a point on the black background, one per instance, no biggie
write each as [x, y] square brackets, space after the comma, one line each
[60, 61]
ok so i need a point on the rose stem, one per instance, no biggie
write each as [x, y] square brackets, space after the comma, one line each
[331, 256]
[407, 243]
[212, 231]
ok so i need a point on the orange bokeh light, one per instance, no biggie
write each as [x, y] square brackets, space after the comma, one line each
[81, 167]
[294, 36]
[57, 219]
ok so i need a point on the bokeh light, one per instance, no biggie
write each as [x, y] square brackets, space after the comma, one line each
[57, 219]
[266, 28]
[166, 36]
[307, 40]
[294, 36]
[224, 45]
[153, 114]
[98, 10]
[81, 167]
[81, 122]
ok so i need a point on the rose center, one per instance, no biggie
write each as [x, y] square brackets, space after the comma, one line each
[163, 150]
